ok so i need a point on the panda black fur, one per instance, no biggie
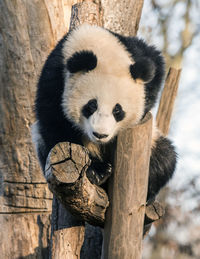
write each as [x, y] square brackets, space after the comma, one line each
[93, 84]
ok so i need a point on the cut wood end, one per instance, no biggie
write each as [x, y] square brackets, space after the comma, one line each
[65, 162]
[154, 212]
[66, 174]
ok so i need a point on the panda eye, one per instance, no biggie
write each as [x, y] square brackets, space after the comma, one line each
[118, 112]
[89, 108]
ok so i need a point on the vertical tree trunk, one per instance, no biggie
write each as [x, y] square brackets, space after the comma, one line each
[29, 30]
[123, 229]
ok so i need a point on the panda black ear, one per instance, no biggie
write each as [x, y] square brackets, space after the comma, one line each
[144, 69]
[82, 61]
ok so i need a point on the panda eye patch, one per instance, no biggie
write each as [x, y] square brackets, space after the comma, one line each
[89, 108]
[118, 112]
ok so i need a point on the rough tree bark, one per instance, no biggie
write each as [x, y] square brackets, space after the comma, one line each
[29, 30]
[122, 16]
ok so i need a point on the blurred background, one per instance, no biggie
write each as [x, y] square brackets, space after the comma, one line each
[174, 27]
[29, 30]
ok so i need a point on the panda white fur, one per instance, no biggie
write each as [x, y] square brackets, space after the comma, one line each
[94, 84]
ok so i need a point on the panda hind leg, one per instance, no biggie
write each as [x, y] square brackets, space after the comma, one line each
[162, 166]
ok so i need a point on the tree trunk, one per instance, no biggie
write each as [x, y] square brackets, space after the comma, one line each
[123, 229]
[29, 30]
[122, 16]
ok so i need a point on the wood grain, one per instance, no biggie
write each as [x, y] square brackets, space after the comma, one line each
[67, 243]
[24, 235]
[127, 193]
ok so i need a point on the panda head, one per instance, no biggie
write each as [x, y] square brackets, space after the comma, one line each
[104, 89]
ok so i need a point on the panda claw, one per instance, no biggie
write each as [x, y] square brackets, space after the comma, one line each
[93, 177]
[96, 177]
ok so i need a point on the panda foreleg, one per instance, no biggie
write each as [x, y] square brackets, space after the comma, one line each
[162, 166]
[100, 168]
[98, 171]
[161, 169]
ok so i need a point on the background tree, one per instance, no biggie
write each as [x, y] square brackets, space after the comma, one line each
[173, 25]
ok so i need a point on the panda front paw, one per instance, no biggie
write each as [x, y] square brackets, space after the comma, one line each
[99, 172]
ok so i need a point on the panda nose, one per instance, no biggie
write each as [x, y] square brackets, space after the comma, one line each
[99, 136]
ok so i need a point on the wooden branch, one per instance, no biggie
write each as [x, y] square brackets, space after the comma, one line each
[65, 171]
[127, 193]
[167, 100]
[153, 212]
[61, 218]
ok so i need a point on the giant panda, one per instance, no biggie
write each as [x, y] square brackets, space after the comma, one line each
[94, 84]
